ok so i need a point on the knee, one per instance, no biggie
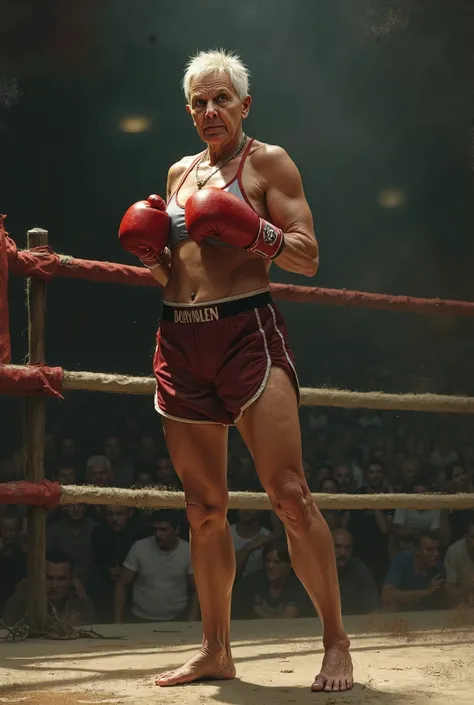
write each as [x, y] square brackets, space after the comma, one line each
[292, 502]
[206, 516]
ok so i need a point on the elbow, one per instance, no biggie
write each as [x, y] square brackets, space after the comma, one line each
[312, 265]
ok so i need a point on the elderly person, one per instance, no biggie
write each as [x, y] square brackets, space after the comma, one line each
[222, 354]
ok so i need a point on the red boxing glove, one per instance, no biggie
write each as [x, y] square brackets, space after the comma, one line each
[216, 213]
[144, 230]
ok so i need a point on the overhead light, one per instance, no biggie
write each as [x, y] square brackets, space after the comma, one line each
[393, 197]
[134, 124]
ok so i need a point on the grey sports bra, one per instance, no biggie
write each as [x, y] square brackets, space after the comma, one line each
[175, 210]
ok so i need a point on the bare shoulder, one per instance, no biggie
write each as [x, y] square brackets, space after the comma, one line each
[175, 172]
[272, 160]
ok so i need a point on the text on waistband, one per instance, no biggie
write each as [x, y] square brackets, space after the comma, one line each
[202, 315]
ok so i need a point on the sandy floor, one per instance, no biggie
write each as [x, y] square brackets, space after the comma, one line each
[400, 660]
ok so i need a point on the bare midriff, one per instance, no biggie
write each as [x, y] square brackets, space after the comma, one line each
[209, 272]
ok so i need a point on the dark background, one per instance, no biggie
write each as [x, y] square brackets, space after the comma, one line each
[365, 95]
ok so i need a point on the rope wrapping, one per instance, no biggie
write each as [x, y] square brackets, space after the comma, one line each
[31, 381]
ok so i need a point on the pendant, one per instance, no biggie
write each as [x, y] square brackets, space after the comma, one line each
[200, 184]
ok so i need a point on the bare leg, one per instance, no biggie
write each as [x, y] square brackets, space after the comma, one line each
[270, 428]
[199, 455]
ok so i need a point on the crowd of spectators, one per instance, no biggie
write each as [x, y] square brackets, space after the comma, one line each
[114, 563]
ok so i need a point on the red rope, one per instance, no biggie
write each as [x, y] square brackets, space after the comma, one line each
[43, 262]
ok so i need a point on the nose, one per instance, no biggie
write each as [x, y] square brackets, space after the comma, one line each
[211, 111]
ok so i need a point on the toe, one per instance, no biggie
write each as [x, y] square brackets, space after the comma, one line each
[329, 687]
[318, 684]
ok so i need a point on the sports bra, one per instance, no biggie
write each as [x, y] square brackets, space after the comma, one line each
[175, 210]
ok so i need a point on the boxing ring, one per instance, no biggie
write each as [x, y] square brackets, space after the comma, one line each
[402, 659]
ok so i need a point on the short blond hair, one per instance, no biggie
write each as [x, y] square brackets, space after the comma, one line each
[217, 61]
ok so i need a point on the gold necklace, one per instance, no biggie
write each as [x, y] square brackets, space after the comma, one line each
[203, 182]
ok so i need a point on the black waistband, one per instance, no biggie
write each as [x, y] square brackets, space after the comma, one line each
[214, 312]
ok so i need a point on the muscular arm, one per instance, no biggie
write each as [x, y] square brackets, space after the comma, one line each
[288, 210]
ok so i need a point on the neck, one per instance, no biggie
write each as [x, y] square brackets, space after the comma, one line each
[419, 567]
[220, 152]
[278, 585]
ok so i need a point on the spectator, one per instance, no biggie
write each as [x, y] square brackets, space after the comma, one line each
[323, 472]
[407, 475]
[249, 538]
[370, 528]
[358, 589]
[415, 580]
[68, 453]
[459, 565]
[345, 477]
[273, 592]
[443, 453]
[99, 471]
[409, 522]
[458, 481]
[121, 467]
[160, 569]
[62, 599]
[111, 543]
[147, 449]
[66, 474]
[144, 477]
[72, 535]
[166, 475]
[13, 560]
[335, 518]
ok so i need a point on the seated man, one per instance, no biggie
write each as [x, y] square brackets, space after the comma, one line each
[356, 583]
[415, 580]
[274, 592]
[407, 523]
[249, 538]
[111, 542]
[62, 599]
[160, 569]
[459, 564]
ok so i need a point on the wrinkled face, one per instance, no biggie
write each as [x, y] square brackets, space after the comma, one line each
[216, 109]
[117, 517]
[342, 548]
[58, 580]
[275, 568]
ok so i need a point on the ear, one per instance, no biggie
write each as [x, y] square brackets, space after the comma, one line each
[246, 103]
[188, 109]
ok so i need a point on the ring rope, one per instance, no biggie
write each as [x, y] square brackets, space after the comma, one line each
[153, 498]
[33, 380]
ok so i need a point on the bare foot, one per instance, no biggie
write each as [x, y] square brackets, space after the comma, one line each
[203, 666]
[336, 672]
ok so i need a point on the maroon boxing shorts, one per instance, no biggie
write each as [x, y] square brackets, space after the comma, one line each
[213, 360]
